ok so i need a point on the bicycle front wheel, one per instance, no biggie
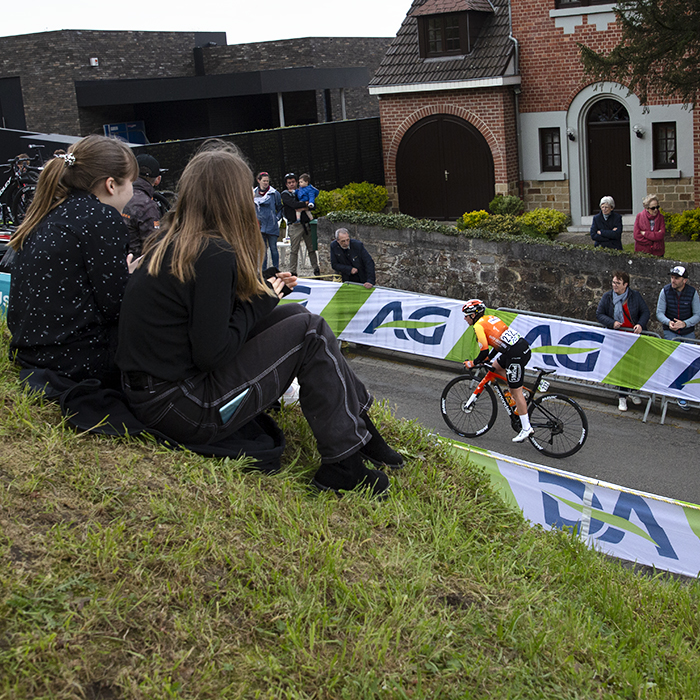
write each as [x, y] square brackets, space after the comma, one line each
[560, 425]
[466, 417]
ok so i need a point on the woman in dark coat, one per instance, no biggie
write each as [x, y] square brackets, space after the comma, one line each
[606, 228]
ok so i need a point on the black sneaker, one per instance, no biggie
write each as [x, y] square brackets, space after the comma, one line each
[351, 474]
[377, 451]
[317, 272]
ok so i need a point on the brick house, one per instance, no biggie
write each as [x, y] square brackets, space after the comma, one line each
[480, 97]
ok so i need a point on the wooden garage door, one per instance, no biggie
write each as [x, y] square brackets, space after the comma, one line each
[444, 168]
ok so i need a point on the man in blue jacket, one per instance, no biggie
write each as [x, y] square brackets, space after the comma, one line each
[350, 259]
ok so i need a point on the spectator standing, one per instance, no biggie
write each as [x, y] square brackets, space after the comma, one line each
[650, 228]
[142, 213]
[350, 259]
[623, 308]
[606, 228]
[268, 209]
[298, 230]
[71, 267]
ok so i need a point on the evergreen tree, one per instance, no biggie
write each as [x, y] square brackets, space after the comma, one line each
[659, 51]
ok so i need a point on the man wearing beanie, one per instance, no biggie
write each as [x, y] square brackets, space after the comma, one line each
[142, 214]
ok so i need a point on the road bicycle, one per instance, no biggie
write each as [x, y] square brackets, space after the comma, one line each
[18, 191]
[469, 407]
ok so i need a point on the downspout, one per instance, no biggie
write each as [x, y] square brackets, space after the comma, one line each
[516, 93]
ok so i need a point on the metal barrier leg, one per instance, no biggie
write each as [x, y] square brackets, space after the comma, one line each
[650, 401]
[664, 408]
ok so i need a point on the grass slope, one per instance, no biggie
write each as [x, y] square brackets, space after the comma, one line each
[127, 571]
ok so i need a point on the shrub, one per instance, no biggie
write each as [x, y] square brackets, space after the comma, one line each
[502, 223]
[507, 204]
[358, 196]
[544, 222]
[685, 224]
[472, 219]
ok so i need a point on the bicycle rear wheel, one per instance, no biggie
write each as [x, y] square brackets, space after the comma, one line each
[20, 203]
[468, 419]
[560, 425]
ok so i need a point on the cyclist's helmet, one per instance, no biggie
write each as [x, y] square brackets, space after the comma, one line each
[476, 307]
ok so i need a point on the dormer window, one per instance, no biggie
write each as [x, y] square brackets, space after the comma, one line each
[450, 27]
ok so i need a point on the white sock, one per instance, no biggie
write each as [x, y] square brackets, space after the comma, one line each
[525, 421]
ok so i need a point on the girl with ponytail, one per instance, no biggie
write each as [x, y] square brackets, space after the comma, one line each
[70, 267]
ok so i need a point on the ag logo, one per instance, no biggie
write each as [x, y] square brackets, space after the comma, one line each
[413, 325]
[565, 349]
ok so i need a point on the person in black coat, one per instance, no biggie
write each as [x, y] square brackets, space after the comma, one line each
[350, 259]
[624, 309]
[606, 228]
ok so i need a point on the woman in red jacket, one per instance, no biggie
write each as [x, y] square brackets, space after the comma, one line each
[650, 228]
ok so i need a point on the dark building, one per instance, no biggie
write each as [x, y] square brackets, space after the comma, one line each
[181, 84]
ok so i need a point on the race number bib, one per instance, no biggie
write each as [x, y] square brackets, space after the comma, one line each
[510, 337]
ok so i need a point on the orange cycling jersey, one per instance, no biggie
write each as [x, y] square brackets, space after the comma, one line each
[490, 330]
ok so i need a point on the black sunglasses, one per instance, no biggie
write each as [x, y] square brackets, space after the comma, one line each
[654, 208]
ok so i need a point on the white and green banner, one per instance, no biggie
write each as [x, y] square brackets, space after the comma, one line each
[434, 327]
[627, 524]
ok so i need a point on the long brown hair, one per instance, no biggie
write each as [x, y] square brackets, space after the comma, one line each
[213, 201]
[89, 161]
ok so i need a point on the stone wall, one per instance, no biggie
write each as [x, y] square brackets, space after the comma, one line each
[549, 279]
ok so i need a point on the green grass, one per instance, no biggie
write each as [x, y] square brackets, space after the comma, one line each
[685, 251]
[127, 571]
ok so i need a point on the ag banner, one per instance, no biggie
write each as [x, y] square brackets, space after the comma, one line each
[4, 291]
[386, 318]
[434, 327]
[624, 523]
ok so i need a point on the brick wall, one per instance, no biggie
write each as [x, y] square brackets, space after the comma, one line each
[675, 195]
[491, 111]
[317, 52]
[552, 194]
[48, 63]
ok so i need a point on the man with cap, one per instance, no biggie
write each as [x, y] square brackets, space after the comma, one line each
[298, 230]
[142, 213]
[678, 308]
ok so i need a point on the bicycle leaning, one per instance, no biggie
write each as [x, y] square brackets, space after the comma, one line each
[469, 407]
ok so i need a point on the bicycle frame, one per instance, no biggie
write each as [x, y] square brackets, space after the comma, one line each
[494, 378]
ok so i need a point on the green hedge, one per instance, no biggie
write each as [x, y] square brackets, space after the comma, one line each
[357, 196]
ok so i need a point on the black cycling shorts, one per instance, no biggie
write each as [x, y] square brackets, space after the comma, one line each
[513, 360]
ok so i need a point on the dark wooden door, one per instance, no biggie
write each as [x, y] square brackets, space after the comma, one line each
[609, 156]
[444, 168]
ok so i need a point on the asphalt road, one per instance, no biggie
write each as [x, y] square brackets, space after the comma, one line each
[659, 459]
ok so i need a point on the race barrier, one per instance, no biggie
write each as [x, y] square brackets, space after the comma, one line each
[4, 290]
[434, 327]
[624, 523]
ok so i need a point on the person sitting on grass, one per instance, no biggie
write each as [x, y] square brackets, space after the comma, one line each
[204, 346]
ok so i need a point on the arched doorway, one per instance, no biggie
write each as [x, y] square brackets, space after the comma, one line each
[609, 155]
[444, 168]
